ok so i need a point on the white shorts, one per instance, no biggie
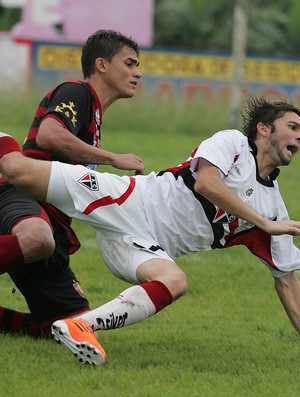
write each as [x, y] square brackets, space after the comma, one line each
[124, 254]
[113, 206]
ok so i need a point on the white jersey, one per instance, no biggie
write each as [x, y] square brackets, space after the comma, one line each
[164, 209]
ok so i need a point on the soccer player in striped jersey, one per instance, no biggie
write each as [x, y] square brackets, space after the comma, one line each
[36, 239]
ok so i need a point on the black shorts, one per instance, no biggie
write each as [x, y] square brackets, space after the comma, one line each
[16, 205]
[50, 287]
[51, 295]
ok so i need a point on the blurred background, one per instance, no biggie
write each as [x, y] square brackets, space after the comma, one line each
[199, 51]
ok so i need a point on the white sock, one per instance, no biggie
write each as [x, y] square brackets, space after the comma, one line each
[131, 306]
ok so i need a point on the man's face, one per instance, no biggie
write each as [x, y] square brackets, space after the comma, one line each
[122, 73]
[285, 140]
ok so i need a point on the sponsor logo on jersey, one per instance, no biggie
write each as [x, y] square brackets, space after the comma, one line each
[249, 192]
[237, 170]
[89, 180]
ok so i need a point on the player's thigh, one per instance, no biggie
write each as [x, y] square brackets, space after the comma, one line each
[22, 215]
[16, 206]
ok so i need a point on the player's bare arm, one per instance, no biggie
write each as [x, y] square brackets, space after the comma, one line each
[28, 174]
[288, 290]
[211, 186]
[55, 138]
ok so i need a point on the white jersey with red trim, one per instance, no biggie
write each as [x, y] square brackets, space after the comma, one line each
[185, 221]
[164, 209]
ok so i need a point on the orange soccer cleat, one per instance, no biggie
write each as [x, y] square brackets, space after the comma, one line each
[79, 337]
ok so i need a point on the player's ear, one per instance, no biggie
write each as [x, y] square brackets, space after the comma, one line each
[262, 129]
[100, 64]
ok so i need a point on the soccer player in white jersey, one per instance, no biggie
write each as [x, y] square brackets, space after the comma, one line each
[225, 194]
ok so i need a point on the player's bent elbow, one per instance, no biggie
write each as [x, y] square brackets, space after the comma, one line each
[202, 186]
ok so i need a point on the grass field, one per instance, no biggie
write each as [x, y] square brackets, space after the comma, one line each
[228, 337]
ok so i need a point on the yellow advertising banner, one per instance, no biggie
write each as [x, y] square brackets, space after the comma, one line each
[219, 67]
[55, 57]
[181, 65]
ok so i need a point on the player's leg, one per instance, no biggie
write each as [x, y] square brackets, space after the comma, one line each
[53, 291]
[50, 288]
[162, 281]
[21, 323]
[25, 236]
[28, 174]
[25, 232]
[51, 294]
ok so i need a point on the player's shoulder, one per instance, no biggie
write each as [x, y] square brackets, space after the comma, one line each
[230, 137]
[75, 86]
[231, 134]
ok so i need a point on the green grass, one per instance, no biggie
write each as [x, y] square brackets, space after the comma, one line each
[228, 337]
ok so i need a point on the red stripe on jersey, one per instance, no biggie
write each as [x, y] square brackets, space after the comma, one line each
[108, 200]
[258, 242]
[194, 151]
[177, 168]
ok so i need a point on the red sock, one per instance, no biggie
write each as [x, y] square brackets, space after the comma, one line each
[8, 144]
[11, 256]
[158, 293]
[14, 322]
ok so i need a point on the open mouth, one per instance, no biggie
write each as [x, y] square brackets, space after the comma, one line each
[292, 149]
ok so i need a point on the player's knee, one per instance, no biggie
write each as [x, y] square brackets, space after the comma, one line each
[181, 283]
[15, 169]
[36, 240]
[177, 283]
[42, 245]
[9, 166]
[167, 272]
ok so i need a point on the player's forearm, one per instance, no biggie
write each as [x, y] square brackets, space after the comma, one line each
[82, 153]
[65, 146]
[288, 290]
[69, 148]
[213, 188]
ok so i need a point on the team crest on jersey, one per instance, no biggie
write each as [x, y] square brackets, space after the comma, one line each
[78, 288]
[68, 110]
[223, 217]
[89, 180]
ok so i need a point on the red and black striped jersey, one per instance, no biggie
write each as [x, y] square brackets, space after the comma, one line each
[75, 104]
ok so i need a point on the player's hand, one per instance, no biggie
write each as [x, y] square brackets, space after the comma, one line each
[129, 162]
[277, 228]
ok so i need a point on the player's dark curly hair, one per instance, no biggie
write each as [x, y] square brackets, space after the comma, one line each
[261, 110]
[105, 44]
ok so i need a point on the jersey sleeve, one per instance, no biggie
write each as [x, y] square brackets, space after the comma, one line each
[285, 255]
[70, 104]
[222, 149]
[279, 253]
